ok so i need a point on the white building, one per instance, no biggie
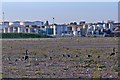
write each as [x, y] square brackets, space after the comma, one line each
[5, 24]
[59, 30]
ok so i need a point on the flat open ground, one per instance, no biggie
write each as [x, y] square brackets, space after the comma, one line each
[71, 57]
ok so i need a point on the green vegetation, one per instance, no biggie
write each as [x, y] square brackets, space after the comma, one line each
[23, 35]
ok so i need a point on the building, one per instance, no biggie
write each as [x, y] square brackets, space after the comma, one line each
[59, 30]
[81, 29]
[116, 31]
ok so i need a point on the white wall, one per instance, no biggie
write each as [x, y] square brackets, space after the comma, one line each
[60, 29]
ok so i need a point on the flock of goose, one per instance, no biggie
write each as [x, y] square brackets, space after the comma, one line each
[26, 56]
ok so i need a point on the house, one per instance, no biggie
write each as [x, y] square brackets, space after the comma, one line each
[5, 24]
[116, 31]
[59, 30]
[19, 27]
[91, 29]
[100, 28]
[76, 30]
[32, 27]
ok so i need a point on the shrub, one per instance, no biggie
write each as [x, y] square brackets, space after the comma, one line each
[23, 35]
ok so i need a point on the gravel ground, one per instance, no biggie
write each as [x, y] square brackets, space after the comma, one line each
[70, 57]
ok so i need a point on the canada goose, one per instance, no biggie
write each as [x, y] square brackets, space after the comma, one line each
[50, 58]
[113, 52]
[68, 55]
[16, 60]
[63, 55]
[89, 56]
[26, 55]
[77, 56]
[98, 56]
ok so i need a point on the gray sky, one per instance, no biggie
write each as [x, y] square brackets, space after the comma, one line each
[63, 12]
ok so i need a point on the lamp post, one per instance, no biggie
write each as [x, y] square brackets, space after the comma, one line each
[53, 20]
[3, 26]
[3, 19]
[54, 30]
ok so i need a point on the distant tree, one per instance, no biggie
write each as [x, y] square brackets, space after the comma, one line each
[73, 23]
[47, 23]
[55, 24]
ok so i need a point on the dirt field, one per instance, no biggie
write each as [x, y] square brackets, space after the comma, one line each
[60, 58]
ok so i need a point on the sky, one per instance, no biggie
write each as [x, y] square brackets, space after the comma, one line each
[60, 0]
[63, 12]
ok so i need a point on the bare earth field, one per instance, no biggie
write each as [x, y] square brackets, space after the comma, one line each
[71, 57]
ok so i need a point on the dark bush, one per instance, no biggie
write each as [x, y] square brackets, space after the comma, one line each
[23, 35]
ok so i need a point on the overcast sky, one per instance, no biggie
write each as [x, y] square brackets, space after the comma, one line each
[63, 12]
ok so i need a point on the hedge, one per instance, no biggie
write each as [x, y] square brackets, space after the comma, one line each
[23, 35]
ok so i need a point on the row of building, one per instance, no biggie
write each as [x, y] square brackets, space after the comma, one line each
[108, 28]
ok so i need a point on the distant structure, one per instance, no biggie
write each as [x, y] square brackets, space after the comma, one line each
[83, 29]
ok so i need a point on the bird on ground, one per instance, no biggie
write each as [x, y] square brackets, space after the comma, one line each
[68, 55]
[77, 56]
[26, 57]
[98, 56]
[113, 52]
[63, 55]
[50, 58]
[89, 56]
[16, 60]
